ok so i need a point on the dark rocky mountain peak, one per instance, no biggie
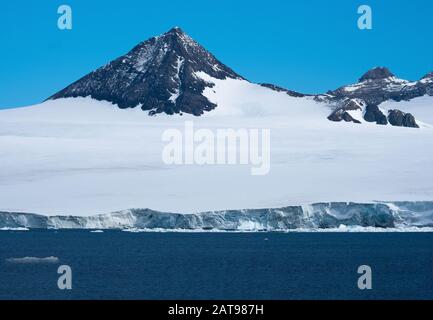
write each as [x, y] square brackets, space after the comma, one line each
[428, 76]
[376, 74]
[158, 75]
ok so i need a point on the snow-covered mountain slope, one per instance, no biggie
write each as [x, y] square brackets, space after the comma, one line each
[403, 216]
[81, 156]
[85, 155]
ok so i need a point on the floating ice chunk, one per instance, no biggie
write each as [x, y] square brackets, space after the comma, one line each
[33, 260]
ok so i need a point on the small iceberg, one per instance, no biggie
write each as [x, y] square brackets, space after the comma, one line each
[33, 260]
[14, 229]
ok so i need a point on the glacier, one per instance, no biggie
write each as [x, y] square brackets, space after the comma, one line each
[87, 152]
[81, 157]
[341, 216]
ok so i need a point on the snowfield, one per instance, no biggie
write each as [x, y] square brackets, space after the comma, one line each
[82, 157]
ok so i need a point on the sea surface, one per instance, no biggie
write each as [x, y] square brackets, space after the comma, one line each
[124, 265]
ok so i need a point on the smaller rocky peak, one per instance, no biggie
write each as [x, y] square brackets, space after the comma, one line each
[377, 74]
[428, 77]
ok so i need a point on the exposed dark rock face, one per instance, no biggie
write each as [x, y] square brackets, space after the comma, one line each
[158, 75]
[341, 115]
[428, 76]
[341, 112]
[373, 114]
[280, 89]
[401, 119]
[376, 74]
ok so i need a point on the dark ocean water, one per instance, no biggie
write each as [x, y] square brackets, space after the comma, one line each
[122, 265]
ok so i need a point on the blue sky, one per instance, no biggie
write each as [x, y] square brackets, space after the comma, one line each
[309, 46]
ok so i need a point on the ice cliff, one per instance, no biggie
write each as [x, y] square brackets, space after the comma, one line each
[315, 216]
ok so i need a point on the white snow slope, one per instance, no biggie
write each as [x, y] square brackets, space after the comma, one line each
[82, 157]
